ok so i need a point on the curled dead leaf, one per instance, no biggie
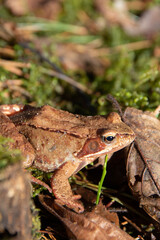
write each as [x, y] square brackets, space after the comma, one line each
[143, 163]
[91, 225]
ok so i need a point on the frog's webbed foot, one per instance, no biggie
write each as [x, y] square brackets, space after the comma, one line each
[62, 190]
[72, 203]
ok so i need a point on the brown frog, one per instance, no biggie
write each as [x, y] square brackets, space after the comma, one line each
[63, 143]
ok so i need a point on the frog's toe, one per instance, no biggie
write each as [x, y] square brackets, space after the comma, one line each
[75, 205]
[72, 203]
[79, 208]
[76, 197]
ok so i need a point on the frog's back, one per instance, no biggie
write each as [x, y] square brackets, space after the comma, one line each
[52, 149]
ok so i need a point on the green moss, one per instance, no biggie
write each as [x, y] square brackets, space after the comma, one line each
[8, 156]
[72, 9]
[36, 223]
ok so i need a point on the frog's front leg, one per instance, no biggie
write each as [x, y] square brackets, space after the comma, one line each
[62, 189]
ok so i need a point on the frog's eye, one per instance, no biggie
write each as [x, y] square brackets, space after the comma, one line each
[108, 139]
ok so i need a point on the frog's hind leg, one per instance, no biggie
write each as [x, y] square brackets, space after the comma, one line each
[62, 189]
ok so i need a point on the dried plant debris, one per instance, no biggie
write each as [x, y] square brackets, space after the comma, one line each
[93, 225]
[11, 33]
[44, 9]
[15, 202]
[118, 13]
[143, 163]
[14, 67]
[81, 58]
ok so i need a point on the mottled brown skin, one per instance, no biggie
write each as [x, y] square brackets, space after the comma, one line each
[63, 143]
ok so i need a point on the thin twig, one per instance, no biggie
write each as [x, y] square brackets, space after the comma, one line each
[115, 104]
[67, 79]
[56, 70]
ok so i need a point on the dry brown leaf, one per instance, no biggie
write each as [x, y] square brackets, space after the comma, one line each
[93, 225]
[143, 163]
[101, 210]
